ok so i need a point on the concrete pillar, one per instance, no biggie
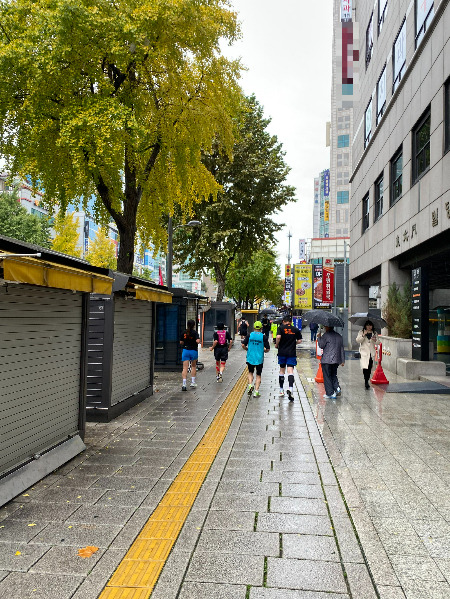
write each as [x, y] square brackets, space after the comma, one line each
[359, 302]
[391, 273]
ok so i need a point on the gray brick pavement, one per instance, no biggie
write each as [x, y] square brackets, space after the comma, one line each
[268, 523]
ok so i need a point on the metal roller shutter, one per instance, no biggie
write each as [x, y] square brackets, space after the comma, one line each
[40, 346]
[132, 348]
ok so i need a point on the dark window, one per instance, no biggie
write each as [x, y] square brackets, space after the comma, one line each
[447, 115]
[379, 193]
[381, 95]
[382, 11]
[399, 56]
[396, 176]
[424, 14]
[365, 213]
[421, 146]
[369, 40]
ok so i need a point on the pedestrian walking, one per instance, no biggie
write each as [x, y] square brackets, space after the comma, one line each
[257, 345]
[287, 339]
[313, 327]
[274, 328]
[367, 339]
[222, 342]
[189, 341]
[265, 326]
[333, 354]
[243, 329]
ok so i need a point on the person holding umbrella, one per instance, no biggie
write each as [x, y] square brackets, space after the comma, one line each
[367, 339]
[333, 349]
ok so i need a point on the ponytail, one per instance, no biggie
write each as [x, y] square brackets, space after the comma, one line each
[190, 326]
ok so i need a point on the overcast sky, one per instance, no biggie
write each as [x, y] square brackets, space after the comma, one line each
[286, 47]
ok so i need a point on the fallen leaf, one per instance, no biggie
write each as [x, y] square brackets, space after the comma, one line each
[32, 524]
[79, 497]
[26, 495]
[70, 526]
[87, 551]
[17, 553]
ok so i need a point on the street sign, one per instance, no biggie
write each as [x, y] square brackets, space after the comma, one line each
[420, 314]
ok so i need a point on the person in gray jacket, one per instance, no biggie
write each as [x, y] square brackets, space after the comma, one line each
[333, 355]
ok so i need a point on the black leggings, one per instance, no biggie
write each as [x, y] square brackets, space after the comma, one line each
[367, 371]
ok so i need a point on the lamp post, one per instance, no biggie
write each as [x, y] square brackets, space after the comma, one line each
[170, 231]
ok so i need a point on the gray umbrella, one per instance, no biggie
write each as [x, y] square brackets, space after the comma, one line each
[361, 317]
[327, 319]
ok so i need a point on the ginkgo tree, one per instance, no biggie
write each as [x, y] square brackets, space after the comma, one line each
[117, 100]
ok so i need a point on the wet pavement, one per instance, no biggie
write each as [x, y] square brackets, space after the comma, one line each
[275, 518]
[390, 452]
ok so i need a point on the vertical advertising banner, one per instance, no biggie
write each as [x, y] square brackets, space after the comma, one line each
[317, 285]
[287, 284]
[326, 214]
[303, 287]
[326, 183]
[346, 10]
[302, 250]
[328, 280]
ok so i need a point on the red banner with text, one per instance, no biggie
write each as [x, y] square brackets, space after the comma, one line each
[328, 280]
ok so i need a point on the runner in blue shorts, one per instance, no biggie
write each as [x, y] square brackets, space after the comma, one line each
[287, 338]
[189, 341]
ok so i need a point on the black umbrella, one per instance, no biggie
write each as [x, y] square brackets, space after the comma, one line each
[268, 311]
[361, 317]
[327, 319]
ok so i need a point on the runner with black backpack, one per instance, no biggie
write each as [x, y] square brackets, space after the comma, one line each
[222, 342]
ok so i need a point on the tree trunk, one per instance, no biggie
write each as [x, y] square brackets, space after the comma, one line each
[220, 279]
[128, 227]
[125, 259]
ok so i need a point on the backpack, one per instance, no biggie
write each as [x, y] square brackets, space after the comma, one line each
[222, 336]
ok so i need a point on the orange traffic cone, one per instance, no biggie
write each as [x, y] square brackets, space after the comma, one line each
[319, 375]
[379, 378]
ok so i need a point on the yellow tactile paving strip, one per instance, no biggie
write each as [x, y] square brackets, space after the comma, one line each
[138, 572]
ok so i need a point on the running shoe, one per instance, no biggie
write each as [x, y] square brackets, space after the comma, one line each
[219, 378]
[332, 396]
[290, 395]
[281, 393]
[183, 388]
[338, 392]
[256, 394]
[249, 389]
[193, 385]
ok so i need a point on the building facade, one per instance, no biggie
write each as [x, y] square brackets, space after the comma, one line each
[29, 199]
[400, 184]
[343, 94]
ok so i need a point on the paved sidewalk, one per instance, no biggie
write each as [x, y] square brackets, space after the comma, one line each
[391, 454]
[268, 523]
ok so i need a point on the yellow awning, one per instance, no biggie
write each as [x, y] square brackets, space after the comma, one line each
[153, 295]
[249, 311]
[49, 274]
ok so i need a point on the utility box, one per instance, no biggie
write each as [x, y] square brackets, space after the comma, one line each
[121, 346]
[219, 312]
[171, 322]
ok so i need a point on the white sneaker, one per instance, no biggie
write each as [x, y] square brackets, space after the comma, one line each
[219, 378]
[193, 385]
[281, 393]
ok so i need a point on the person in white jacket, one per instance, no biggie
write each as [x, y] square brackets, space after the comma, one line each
[367, 339]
